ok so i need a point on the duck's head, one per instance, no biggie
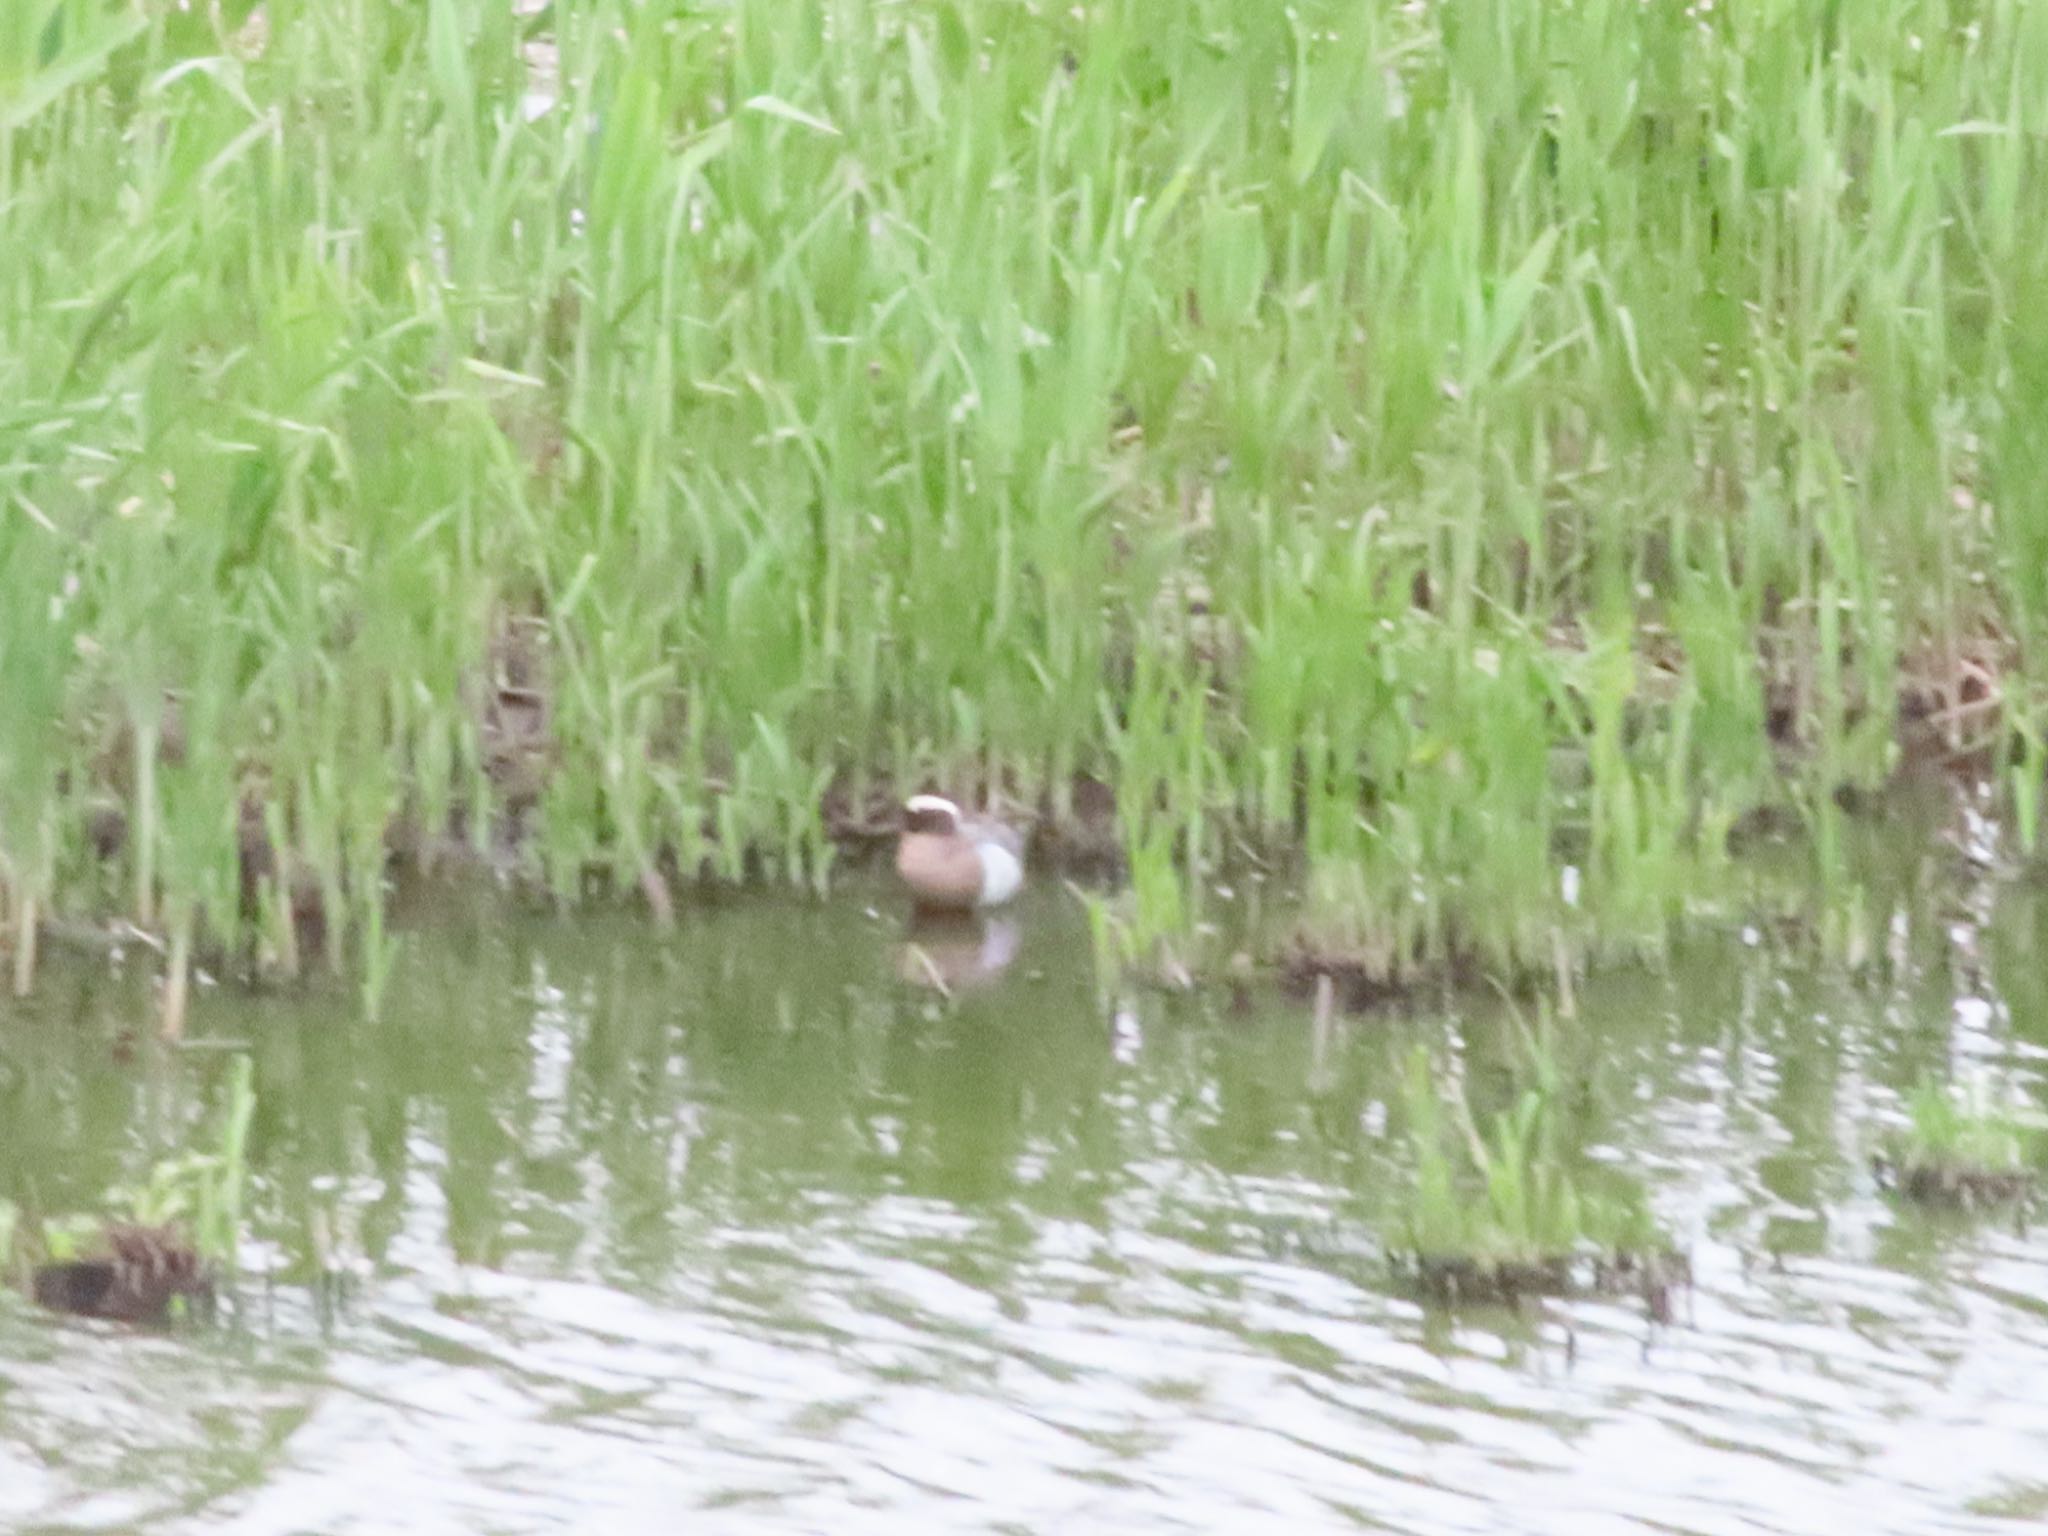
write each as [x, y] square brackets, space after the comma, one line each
[930, 816]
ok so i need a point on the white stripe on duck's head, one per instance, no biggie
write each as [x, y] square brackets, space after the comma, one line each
[932, 815]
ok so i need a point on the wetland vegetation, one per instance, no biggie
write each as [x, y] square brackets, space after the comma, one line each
[1415, 499]
[1961, 1149]
[1457, 461]
[1509, 1210]
[166, 1241]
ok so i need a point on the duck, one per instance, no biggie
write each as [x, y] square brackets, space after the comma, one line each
[954, 862]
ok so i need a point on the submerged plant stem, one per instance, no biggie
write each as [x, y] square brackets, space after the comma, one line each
[177, 980]
[27, 928]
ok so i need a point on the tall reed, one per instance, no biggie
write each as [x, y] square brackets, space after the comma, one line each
[1445, 440]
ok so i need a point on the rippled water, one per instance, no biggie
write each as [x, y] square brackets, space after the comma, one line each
[737, 1229]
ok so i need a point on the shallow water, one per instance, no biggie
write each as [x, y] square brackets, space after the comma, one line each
[737, 1229]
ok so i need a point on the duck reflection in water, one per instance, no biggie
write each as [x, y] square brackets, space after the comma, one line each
[954, 952]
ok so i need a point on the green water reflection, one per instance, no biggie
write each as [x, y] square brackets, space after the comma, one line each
[748, 1220]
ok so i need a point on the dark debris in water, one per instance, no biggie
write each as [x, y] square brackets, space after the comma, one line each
[1357, 985]
[145, 1271]
[1457, 1279]
[1960, 1186]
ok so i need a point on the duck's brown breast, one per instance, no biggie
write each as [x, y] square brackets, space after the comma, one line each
[942, 871]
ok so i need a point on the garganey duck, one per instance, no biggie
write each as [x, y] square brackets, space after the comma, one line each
[956, 863]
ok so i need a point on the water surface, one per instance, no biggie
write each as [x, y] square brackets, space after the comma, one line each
[737, 1229]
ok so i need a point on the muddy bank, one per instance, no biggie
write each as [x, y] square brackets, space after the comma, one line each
[1080, 842]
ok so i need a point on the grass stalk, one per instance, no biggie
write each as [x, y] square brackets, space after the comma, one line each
[1424, 444]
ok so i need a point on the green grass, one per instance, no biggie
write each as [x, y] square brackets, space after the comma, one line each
[202, 1191]
[1513, 1208]
[196, 1196]
[1425, 442]
[1960, 1147]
